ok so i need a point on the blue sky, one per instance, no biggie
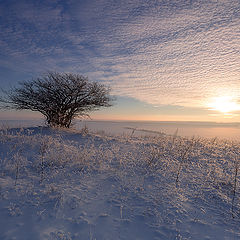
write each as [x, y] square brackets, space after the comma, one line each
[164, 60]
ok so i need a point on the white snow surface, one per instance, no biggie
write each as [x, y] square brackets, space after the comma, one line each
[65, 184]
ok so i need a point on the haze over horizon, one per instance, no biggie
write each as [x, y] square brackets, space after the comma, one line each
[165, 60]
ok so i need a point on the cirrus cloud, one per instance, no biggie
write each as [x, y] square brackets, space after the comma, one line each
[161, 52]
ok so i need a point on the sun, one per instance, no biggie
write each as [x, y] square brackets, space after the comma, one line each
[224, 104]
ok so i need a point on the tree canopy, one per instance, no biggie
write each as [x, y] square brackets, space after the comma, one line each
[60, 97]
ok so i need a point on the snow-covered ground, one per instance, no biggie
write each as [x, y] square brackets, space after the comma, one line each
[230, 131]
[58, 184]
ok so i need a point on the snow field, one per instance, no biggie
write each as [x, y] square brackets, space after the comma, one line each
[57, 184]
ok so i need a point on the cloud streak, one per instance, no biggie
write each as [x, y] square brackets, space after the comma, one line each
[164, 52]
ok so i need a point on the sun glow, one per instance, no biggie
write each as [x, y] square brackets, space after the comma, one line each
[224, 104]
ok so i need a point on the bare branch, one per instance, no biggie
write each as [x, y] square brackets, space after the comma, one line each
[60, 97]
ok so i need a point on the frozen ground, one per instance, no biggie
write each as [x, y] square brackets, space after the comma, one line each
[57, 184]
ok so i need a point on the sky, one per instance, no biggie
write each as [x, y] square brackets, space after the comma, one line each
[166, 60]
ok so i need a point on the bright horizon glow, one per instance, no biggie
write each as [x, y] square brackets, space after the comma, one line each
[224, 104]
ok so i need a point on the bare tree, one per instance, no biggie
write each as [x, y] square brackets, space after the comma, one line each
[60, 97]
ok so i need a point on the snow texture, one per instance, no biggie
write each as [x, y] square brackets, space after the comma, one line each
[64, 185]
